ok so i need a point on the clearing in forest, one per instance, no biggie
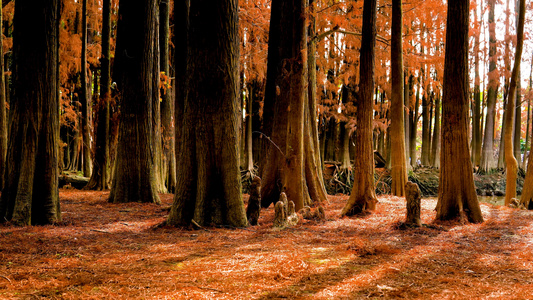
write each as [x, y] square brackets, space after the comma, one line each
[105, 251]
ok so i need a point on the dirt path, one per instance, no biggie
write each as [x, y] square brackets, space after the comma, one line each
[109, 251]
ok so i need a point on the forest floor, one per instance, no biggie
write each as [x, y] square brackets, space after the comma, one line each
[115, 251]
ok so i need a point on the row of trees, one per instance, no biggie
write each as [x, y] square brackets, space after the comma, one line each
[146, 134]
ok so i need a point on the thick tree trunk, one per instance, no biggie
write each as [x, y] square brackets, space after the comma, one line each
[457, 195]
[398, 163]
[101, 164]
[363, 195]
[283, 118]
[167, 104]
[487, 153]
[208, 187]
[510, 161]
[30, 194]
[84, 99]
[134, 178]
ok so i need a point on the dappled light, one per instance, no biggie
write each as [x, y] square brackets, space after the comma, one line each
[103, 250]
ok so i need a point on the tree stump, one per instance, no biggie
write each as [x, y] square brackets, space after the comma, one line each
[317, 214]
[284, 214]
[254, 202]
[412, 196]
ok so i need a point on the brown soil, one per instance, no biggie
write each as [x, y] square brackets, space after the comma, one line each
[112, 251]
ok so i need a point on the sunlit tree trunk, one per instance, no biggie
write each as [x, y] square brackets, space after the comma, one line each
[208, 186]
[30, 194]
[363, 195]
[487, 153]
[457, 195]
[398, 163]
[134, 178]
[413, 120]
[100, 177]
[510, 161]
[435, 144]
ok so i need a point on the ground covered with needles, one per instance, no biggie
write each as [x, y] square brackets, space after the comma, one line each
[115, 251]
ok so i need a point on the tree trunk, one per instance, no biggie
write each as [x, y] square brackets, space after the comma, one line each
[510, 161]
[101, 164]
[208, 186]
[167, 104]
[30, 194]
[134, 178]
[398, 163]
[283, 117]
[457, 195]
[426, 137]
[413, 121]
[84, 99]
[435, 144]
[476, 111]
[517, 135]
[363, 195]
[3, 112]
[528, 123]
[487, 153]
[406, 113]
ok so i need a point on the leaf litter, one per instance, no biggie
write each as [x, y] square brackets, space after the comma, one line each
[104, 251]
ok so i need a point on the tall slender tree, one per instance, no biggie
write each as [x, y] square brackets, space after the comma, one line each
[134, 179]
[510, 161]
[167, 103]
[398, 162]
[30, 194]
[457, 195]
[476, 105]
[3, 112]
[488, 162]
[208, 188]
[363, 195]
[100, 176]
[84, 98]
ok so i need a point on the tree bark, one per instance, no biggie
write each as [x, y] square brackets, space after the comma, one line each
[3, 112]
[518, 107]
[134, 179]
[398, 162]
[167, 104]
[457, 195]
[510, 161]
[208, 186]
[84, 99]
[30, 194]
[363, 195]
[476, 111]
[487, 153]
[101, 164]
[286, 109]
[435, 144]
